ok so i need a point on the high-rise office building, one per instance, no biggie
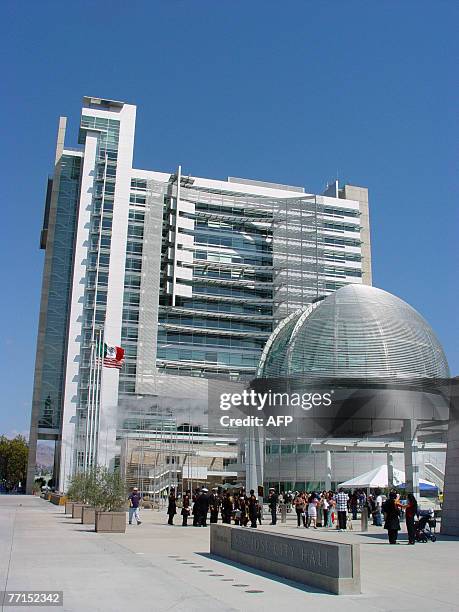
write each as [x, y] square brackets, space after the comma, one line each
[189, 275]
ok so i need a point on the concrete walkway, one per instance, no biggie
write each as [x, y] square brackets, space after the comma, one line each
[158, 568]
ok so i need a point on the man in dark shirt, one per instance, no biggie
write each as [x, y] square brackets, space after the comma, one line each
[134, 504]
[272, 503]
[253, 509]
[202, 507]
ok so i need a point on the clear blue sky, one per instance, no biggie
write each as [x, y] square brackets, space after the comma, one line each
[290, 92]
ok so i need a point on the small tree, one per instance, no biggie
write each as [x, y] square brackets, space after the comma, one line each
[13, 461]
[81, 486]
[100, 488]
[109, 491]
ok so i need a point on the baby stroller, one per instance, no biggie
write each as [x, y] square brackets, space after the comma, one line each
[424, 527]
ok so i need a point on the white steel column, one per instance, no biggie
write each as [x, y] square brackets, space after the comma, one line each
[411, 457]
[328, 470]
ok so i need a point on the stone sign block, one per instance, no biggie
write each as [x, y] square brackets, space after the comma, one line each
[328, 565]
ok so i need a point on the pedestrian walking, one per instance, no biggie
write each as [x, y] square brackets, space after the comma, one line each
[134, 506]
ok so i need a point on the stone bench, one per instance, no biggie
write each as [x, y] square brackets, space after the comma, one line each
[328, 565]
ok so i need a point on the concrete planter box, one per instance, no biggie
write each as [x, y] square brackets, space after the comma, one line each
[77, 509]
[110, 522]
[68, 507]
[58, 499]
[88, 515]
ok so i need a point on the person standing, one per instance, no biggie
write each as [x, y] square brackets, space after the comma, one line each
[325, 508]
[227, 508]
[331, 509]
[392, 517]
[312, 511]
[378, 508]
[342, 499]
[353, 505]
[272, 504]
[244, 508]
[186, 508]
[411, 510]
[253, 509]
[171, 506]
[202, 507]
[134, 506]
[299, 509]
[214, 505]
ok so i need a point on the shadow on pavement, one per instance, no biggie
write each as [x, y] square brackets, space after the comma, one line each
[256, 572]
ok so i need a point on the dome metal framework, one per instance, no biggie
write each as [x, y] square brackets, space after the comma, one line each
[358, 331]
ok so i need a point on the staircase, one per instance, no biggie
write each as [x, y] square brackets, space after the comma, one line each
[435, 474]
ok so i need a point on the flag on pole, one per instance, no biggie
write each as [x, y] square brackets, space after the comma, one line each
[113, 356]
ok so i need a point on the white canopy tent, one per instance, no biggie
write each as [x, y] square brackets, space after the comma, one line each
[378, 478]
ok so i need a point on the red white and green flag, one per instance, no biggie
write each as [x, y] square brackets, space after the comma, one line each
[113, 356]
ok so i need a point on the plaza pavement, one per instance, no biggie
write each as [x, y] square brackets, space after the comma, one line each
[154, 567]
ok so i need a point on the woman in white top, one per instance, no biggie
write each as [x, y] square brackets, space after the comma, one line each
[312, 511]
[325, 508]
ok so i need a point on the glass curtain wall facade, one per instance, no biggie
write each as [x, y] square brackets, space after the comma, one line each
[189, 275]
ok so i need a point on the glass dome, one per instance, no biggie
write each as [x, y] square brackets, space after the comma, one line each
[358, 331]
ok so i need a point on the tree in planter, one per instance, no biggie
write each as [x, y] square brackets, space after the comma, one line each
[108, 492]
[75, 491]
[82, 485]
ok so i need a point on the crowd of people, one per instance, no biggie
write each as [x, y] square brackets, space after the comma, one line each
[327, 509]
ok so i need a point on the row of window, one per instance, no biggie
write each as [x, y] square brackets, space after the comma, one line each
[224, 341]
[230, 274]
[342, 256]
[343, 272]
[230, 359]
[259, 261]
[229, 227]
[239, 292]
[341, 227]
[211, 323]
[233, 210]
[246, 309]
[341, 212]
[140, 184]
[235, 242]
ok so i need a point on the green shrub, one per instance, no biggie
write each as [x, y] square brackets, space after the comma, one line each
[101, 488]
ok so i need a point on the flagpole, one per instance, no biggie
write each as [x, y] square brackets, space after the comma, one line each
[88, 408]
[92, 402]
[95, 351]
[98, 394]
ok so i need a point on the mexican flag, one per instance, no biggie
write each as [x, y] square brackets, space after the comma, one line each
[113, 356]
